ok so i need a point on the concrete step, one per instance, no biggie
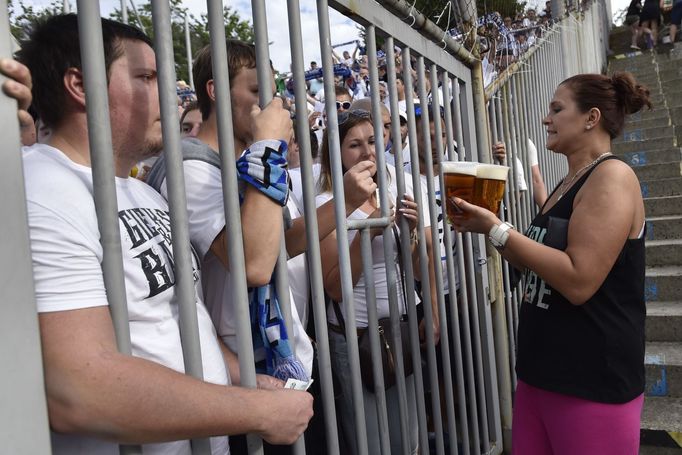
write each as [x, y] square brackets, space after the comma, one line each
[663, 284]
[664, 227]
[635, 133]
[642, 158]
[654, 122]
[660, 113]
[666, 64]
[663, 252]
[663, 369]
[653, 450]
[661, 187]
[676, 116]
[656, 171]
[662, 413]
[631, 61]
[652, 144]
[660, 206]
[660, 427]
[670, 74]
[664, 321]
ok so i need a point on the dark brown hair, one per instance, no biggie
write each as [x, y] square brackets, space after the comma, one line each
[53, 47]
[615, 97]
[239, 55]
[325, 182]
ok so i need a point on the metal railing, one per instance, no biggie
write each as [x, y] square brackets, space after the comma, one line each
[467, 409]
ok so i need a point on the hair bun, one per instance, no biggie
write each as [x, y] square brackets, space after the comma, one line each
[631, 95]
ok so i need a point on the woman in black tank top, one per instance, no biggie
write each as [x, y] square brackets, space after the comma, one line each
[581, 327]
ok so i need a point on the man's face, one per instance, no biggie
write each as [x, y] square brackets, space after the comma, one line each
[244, 94]
[421, 141]
[345, 98]
[400, 87]
[191, 123]
[134, 102]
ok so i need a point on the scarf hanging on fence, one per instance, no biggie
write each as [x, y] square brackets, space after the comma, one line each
[263, 166]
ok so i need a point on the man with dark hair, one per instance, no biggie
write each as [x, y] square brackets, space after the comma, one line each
[97, 396]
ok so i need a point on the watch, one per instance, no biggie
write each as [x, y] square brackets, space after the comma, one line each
[499, 234]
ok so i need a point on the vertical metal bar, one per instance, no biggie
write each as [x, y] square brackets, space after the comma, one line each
[67, 7]
[416, 183]
[188, 49]
[235, 247]
[448, 241]
[423, 259]
[340, 215]
[472, 397]
[23, 413]
[124, 12]
[177, 200]
[312, 236]
[372, 321]
[437, 260]
[404, 227]
[391, 279]
[102, 157]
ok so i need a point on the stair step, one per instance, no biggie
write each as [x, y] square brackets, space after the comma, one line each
[664, 227]
[661, 187]
[663, 120]
[637, 133]
[652, 144]
[664, 321]
[642, 158]
[663, 284]
[670, 74]
[662, 413]
[661, 114]
[653, 450]
[663, 252]
[663, 366]
[665, 205]
[657, 171]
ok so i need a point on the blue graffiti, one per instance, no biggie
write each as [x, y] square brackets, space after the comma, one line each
[645, 189]
[631, 136]
[650, 290]
[657, 384]
[636, 158]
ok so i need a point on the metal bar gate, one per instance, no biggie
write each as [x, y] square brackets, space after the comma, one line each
[462, 386]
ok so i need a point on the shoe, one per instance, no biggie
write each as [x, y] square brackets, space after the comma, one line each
[635, 47]
[649, 42]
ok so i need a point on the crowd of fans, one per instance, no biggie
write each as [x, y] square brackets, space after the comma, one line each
[647, 19]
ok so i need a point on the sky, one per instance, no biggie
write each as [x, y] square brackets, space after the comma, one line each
[342, 28]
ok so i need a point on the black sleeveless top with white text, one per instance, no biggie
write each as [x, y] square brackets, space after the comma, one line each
[593, 351]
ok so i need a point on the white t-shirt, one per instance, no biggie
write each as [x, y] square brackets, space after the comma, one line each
[203, 187]
[67, 256]
[379, 265]
[441, 233]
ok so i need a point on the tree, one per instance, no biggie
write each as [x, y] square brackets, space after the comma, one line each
[235, 27]
[23, 16]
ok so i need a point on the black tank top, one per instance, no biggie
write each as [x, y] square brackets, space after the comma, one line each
[593, 351]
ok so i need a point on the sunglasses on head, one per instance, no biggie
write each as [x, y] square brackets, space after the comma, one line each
[429, 108]
[357, 113]
[345, 105]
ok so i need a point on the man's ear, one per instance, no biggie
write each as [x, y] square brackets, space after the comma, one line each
[210, 90]
[73, 86]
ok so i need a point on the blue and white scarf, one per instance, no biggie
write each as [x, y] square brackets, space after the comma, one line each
[263, 166]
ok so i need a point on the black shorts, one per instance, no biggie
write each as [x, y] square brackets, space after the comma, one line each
[676, 14]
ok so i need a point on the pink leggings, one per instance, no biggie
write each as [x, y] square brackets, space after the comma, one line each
[548, 423]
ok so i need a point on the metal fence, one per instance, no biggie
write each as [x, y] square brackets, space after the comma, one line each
[464, 407]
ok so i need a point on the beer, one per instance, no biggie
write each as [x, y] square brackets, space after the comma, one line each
[489, 186]
[460, 177]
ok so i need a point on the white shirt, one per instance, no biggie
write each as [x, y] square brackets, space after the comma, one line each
[379, 265]
[203, 187]
[67, 256]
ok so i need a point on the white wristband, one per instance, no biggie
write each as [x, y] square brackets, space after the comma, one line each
[499, 234]
[532, 153]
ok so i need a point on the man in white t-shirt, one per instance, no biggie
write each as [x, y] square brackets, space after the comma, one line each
[97, 396]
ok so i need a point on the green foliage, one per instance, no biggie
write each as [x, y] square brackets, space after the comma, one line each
[235, 27]
[22, 16]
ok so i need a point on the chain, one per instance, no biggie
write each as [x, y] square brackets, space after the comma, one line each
[565, 185]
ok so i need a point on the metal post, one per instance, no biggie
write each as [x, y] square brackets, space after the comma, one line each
[341, 223]
[391, 279]
[188, 48]
[416, 183]
[177, 200]
[124, 12]
[312, 236]
[104, 188]
[23, 413]
[235, 247]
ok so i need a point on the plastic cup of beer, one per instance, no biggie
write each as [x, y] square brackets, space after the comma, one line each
[489, 186]
[460, 179]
